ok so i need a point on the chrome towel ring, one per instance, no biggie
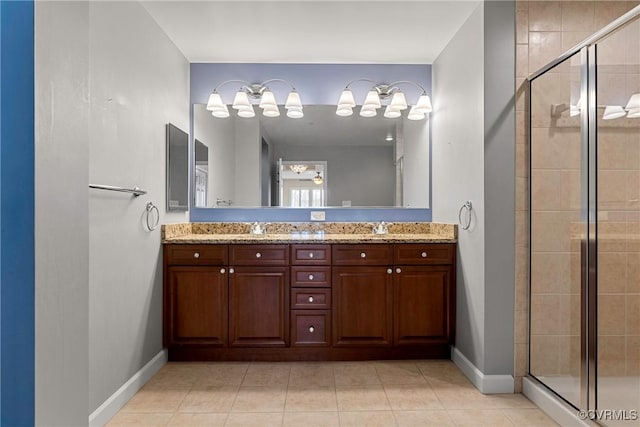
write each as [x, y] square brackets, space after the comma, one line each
[468, 207]
[152, 225]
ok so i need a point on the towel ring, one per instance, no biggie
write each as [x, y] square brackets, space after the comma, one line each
[468, 207]
[149, 209]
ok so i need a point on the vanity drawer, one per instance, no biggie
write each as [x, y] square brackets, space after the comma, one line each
[310, 299]
[319, 277]
[310, 254]
[310, 328]
[258, 255]
[196, 254]
[421, 254]
[369, 254]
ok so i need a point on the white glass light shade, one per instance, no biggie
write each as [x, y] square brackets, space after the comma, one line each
[414, 114]
[241, 100]
[398, 102]
[246, 113]
[295, 113]
[215, 101]
[391, 113]
[346, 99]
[423, 105]
[634, 113]
[613, 112]
[318, 179]
[344, 111]
[221, 112]
[574, 110]
[293, 101]
[372, 100]
[634, 102]
[268, 99]
[368, 111]
[271, 111]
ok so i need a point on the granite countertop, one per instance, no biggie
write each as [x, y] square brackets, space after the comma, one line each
[309, 238]
[329, 232]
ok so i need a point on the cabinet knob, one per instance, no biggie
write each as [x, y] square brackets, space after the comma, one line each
[363, 255]
[423, 254]
[258, 254]
[389, 271]
[311, 277]
[222, 271]
[310, 299]
[311, 329]
[231, 271]
[398, 270]
[196, 255]
[310, 254]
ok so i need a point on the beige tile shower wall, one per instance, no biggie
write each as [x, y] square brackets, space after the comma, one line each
[543, 31]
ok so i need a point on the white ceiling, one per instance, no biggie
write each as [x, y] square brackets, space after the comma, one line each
[311, 31]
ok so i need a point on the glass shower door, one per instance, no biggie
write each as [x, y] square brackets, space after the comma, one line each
[558, 227]
[618, 225]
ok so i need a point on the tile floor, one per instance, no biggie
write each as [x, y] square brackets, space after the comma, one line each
[383, 393]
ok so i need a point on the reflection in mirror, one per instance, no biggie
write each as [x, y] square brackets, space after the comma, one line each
[177, 169]
[363, 162]
[302, 184]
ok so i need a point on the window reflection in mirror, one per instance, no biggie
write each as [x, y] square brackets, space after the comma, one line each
[371, 161]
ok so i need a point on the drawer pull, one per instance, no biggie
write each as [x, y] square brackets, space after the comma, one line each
[423, 254]
[389, 271]
[222, 271]
[310, 254]
[311, 277]
[196, 255]
[310, 299]
[363, 255]
[258, 255]
[398, 270]
[231, 271]
[311, 329]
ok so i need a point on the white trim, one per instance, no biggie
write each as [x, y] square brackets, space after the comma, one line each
[487, 384]
[117, 400]
[560, 411]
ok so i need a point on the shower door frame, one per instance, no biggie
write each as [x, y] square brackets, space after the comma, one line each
[587, 50]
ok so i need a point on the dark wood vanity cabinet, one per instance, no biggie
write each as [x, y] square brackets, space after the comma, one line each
[195, 303]
[309, 301]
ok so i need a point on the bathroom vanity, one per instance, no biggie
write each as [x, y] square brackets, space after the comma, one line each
[309, 295]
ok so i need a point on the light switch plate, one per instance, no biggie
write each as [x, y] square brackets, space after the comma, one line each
[317, 215]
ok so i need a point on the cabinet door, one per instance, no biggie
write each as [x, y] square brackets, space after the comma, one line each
[196, 311]
[259, 306]
[422, 297]
[362, 306]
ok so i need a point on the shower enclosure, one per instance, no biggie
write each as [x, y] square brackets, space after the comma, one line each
[584, 127]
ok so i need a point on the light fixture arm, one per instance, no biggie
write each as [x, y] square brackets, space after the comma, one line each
[393, 85]
[244, 83]
[360, 80]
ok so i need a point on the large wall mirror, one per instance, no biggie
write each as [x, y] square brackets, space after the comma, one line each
[320, 160]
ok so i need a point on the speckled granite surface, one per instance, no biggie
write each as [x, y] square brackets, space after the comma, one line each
[309, 232]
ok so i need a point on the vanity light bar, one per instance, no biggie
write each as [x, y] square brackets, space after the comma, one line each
[383, 91]
[242, 103]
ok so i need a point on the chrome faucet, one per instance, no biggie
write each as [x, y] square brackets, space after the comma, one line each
[381, 228]
[256, 228]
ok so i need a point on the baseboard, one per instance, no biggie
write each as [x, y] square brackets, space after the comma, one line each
[117, 400]
[487, 384]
